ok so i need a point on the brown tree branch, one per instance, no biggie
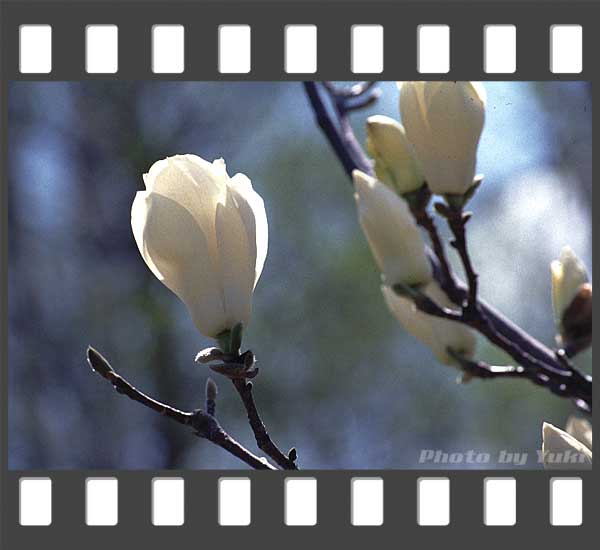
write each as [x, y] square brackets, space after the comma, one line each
[418, 206]
[457, 220]
[203, 424]
[263, 440]
[480, 369]
[338, 132]
[239, 367]
[565, 381]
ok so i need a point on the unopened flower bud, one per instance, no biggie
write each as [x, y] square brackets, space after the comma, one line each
[570, 298]
[204, 235]
[443, 122]
[394, 162]
[577, 320]
[211, 390]
[392, 233]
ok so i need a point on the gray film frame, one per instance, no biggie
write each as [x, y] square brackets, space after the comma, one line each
[268, 18]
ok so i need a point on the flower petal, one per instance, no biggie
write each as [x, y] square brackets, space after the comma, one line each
[237, 266]
[193, 183]
[581, 430]
[391, 231]
[438, 334]
[416, 323]
[558, 446]
[443, 121]
[177, 252]
[252, 211]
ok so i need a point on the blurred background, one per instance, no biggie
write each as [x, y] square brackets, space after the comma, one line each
[340, 379]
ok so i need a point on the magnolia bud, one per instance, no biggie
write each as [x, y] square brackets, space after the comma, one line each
[204, 236]
[571, 300]
[394, 162]
[392, 233]
[559, 448]
[577, 321]
[211, 390]
[443, 122]
[211, 396]
[436, 333]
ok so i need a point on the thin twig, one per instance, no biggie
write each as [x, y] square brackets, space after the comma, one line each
[263, 440]
[562, 379]
[567, 382]
[480, 369]
[418, 206]
[203, 424]
[457, 220]
[239, 367]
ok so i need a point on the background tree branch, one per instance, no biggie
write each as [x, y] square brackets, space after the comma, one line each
[543, 365]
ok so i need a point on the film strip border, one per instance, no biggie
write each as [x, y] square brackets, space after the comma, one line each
[394, 501]
[336, 41]
[300, 47]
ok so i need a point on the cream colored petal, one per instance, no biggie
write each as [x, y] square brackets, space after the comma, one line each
[557, 276]
[395, 164]
[193, 183]
[438, 334]
[581, 430]
[237, 264]
[391, 231]
[153, 173]
[443, 121]
[568, 274]
[252, 210]
[412, 110]
[456, 121]
[416, 323]
[176, 251]
[558, 446]
[449, 334]
[139, 213]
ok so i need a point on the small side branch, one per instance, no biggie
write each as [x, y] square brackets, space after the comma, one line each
[480, 369]
[562, 379]
[457, 221]
[203, 424]
[239, 368]
[418, 206]
[263, 440]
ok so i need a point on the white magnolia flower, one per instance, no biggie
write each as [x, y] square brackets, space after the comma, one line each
[568, 274]
[392, 233]
[204, 235]
[394, 162]
[436, 333]
[443, 122]
[565, 451]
